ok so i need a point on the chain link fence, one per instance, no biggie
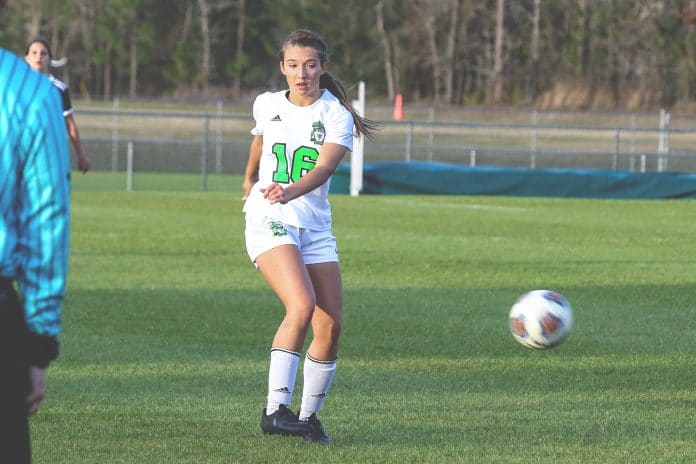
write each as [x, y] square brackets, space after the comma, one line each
[216, 141]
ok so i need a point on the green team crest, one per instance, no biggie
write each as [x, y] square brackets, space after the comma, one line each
[318, 133]
[277, 228]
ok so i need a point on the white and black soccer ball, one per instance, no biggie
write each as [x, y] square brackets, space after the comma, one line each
[541, 319]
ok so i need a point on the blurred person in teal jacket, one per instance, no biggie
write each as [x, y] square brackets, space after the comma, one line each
[34, 237]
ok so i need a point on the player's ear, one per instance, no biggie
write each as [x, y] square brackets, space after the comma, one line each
[282, 68]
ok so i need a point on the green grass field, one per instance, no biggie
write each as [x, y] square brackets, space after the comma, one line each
[167, 329]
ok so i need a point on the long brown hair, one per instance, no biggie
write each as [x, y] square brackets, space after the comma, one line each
[304, 38]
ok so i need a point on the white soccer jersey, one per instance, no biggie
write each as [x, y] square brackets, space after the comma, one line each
[292, 140]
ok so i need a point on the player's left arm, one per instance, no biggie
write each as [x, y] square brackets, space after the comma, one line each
[330, 156]
[83, 163]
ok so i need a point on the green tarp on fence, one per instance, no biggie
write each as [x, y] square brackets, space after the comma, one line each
[450, 179]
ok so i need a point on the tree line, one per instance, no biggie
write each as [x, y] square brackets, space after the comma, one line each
[627, 54]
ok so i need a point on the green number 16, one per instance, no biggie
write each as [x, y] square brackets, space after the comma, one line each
[303, 160]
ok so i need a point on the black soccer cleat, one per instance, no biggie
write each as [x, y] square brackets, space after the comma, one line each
[317, 435]
[284, 422]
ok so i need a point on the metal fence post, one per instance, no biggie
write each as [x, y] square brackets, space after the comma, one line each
[661, 141]
[218, 139]
[431, 130]
[204, 153]
[409, 142]
[668, 123]
[632, 146]
[533, 140]
[357, 156]
[129, 167]
[615, 154]
[114, 135]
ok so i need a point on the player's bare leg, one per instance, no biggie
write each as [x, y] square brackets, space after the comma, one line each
[326, 320]
[320, 362]
[286, 274]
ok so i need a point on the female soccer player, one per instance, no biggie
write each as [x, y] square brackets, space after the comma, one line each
[300, 137]
[38, 56]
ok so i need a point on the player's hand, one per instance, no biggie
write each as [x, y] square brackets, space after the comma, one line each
[83, 164]
[275, 193]
[37, 389]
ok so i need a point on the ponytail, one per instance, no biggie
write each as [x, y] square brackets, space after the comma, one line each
[363, 126]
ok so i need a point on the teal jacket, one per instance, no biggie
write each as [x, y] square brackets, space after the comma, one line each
[34, 192]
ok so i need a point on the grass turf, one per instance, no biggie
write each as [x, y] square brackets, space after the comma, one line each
[167, 328]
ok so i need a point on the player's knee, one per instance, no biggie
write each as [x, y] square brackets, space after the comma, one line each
[330, 330]
[300, 315]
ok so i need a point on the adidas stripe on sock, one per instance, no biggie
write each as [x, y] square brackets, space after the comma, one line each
[318, 376]
[281, 378]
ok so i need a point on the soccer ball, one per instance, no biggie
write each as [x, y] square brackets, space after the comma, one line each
[541, 319]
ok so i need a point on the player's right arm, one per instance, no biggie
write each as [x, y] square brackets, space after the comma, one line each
[251, 173]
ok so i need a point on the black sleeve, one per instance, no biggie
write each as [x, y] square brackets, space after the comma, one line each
[41, 349]
[67, 104]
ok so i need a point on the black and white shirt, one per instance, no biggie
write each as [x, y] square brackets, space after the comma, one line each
[64, 95]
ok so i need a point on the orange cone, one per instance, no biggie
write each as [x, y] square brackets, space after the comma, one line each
[398, 108]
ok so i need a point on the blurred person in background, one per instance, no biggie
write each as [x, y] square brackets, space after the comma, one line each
[34, 230]
[38, 55]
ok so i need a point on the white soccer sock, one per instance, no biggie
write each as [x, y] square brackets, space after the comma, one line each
[318, 376]
[281, 378]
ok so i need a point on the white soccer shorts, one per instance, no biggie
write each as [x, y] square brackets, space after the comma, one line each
[263, 233]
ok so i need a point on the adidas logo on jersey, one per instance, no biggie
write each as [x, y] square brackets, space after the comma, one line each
[276, 118]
